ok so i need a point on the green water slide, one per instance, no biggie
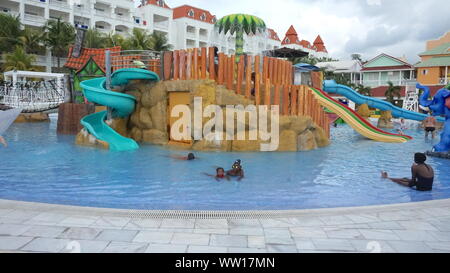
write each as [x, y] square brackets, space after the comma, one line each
[121, 104]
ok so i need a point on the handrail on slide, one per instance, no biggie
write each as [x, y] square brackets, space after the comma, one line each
[122, 104]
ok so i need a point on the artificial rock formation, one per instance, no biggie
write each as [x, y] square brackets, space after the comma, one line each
[149, 122]
[34, 117]
[364, 111]
[385, 120]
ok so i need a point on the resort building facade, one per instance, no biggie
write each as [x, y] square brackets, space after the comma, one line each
[185, 26]
[434, 68]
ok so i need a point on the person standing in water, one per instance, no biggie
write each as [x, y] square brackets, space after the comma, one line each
[3, 142]
[236, 170]
[429, 125]
[422, 175]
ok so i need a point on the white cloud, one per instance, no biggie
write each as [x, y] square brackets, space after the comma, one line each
[397, 27]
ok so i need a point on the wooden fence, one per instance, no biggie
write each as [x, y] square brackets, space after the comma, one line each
[266, 80]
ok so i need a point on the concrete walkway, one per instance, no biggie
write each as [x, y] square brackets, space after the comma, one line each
[412, 227]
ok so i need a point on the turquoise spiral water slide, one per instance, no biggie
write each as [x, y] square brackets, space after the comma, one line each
[121, 104]
[331, 86]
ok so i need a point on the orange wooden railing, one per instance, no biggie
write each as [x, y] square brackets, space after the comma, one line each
[266, 80]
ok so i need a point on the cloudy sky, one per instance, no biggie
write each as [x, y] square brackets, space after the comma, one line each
[396, 27]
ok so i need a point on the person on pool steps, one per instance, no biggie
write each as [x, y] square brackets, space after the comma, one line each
[236, 170]
[422, 175]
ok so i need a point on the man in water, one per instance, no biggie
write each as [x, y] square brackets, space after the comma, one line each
[422, 175]
[236, 170]
[3, 142]
[190, 156]
[429, 125]
[220, 174]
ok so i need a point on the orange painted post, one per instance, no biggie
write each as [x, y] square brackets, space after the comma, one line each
[276, 95]
[267, 93]
[248, 77]
[275, 71]
[168, 62]
[271, 68]
[283, 72]
[257, 89]
[203, 64]
[285, 100]
[212, 66]
[221, 68]
[176, 66]
[233, 70]
[189, 65]
[195, 63]
[182, 65]
[265, 68]
[257, 64]
[294, 92]
[299, 100]
[291, 73]
[230, 73]
[225, 70]
[240, 76]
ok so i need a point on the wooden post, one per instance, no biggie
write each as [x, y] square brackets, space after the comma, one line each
[257, 64]
[294, 93]
[225, 70]
[196, 64]
[276, 95]
[203, 64]
[230, 73]
[248, 77]
[275, 71]
[283, 72]
[221, 68]
[168, 62]
[271, 68]
[285, 100]
[182, 65]
[299, 100]
[189, 65]
[265, 67]
[176, 66]
[240, 76]
[257, 89]
[267, 93]
[212, 65]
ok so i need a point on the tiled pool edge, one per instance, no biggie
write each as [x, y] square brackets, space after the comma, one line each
[187, 214]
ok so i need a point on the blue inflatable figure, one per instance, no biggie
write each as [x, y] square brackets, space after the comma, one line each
[439, 105]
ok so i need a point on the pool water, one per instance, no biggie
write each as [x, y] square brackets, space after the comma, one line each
[41, 166]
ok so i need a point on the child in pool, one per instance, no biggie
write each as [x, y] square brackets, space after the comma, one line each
[236, 170]
[220, 174]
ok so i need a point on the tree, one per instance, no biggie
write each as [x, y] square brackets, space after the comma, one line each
[139, 40]
[18, 60]
[95, 39]
[59, 36]
[32, 41]
[159, 42]
[364, 90]
[240, 23]
[392, 92]
[10, 31]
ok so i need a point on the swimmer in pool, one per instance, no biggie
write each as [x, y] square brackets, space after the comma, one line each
[220, 174]
[236, 170]
[422, 175]
[3, 142]
[190, 156]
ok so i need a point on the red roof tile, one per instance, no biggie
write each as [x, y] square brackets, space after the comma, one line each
[291, 31]
[273, 35]
[183, 11]
[97, 54]
[319, 44]
[157, 3]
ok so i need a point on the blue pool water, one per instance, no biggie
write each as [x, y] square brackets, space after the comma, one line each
[41, 166]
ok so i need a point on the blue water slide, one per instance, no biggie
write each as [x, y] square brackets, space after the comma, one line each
[331, 86]
[122, 105]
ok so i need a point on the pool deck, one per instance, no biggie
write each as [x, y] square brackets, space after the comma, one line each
[411, 227]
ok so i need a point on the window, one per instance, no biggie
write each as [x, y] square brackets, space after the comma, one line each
[191, 13]
[214, 20]
[287, 40]
[161, 3]
[203, 17]
[425, 72]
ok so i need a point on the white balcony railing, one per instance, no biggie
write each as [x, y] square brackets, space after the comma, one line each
[59, 4]
[161, 25]
[376, 83]
[34, 18]
[123, 17]
[192, 35]
[103, 13]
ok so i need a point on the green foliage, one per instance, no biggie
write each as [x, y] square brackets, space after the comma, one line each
[32, 41]
[159, 42]
[240, 23]
[18, 60]
[95, 39]
[59, 36]
[364, 90]
[392, 92]
[10, 31]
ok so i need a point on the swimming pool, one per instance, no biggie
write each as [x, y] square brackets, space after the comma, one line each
[41, 166]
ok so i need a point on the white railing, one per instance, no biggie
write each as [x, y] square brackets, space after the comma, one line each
[41, 60]
[376, 83]
[444, 80]
[124, 17]
[59, 4]
[161, 25]
[103, 13]
[34, 18]
[192, 35]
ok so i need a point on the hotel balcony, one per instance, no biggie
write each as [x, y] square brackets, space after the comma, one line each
[160, 22]
[62, 5]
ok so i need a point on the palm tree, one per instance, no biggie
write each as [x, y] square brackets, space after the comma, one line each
[32, 41]
[364, 90]
[10, 31]
[392, 92]
[159, 42]
[18, 60]
[240, 23]
[95, 39]
[140, 40]
[59, 36]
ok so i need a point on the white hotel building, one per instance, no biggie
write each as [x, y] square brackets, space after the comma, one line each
[186, 26]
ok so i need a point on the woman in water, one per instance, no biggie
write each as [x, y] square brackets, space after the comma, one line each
[220, 174]
[236, 170]
[422, 175]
